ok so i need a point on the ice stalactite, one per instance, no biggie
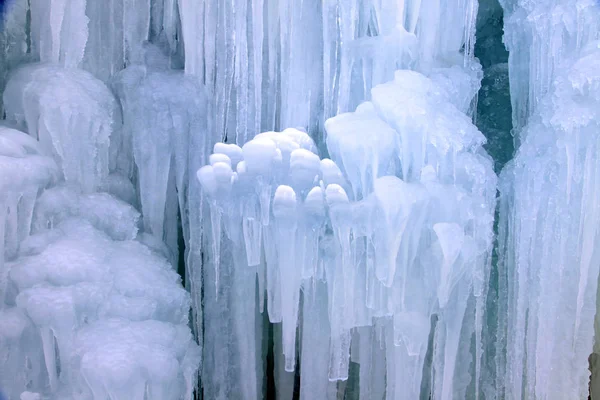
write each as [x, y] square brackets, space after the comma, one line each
[267, 70]
[166, 125]
[162, 112]
[399, 232]
[79, 141]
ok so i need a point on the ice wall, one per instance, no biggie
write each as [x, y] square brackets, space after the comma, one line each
[351, 239]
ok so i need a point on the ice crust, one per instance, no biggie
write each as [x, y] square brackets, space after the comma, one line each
[399, 233]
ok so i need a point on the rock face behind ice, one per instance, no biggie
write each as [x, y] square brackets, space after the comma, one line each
[398, 226]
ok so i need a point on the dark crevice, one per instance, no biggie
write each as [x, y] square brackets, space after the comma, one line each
[494, 120]
[494, 111]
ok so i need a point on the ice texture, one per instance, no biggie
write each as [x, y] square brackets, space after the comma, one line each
[387, 235]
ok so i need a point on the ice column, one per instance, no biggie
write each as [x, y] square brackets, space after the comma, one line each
[549, 264]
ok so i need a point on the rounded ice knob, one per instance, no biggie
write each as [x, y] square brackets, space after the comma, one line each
[9, 148]
[315, 202]
[259, 155]
[241, 168]
[304, 167]
[219, 157]
[287, 147]
[335, 195]
[27, 142]
[223, 173]
[330, 172]
[206, 177]
[233, 151]
[284, 202]
[302, 138]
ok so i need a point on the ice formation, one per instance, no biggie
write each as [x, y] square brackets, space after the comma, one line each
[548, 239]
[539, 36]
[88, 310]
[386, 236]
[298, 199]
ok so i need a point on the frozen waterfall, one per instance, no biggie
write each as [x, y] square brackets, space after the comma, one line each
[316, 199]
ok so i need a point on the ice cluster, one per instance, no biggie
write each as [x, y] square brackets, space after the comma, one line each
[91, 308]
[548, 267]
[293, 63]
[388, 234]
